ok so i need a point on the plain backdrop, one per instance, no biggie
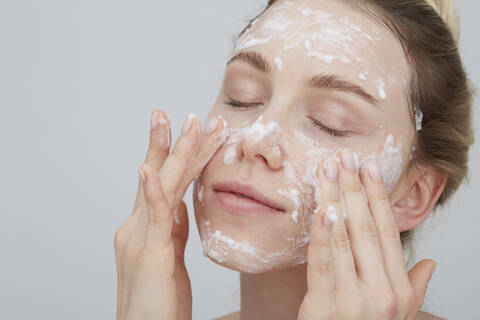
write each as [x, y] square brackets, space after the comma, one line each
[78, 81]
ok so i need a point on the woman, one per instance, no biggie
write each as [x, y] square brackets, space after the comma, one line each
[339, 127]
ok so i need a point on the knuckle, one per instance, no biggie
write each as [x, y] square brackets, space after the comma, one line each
[340, 239]
[121, 235]
[390, 231]
[118, 240]
[176, 152]
[369, 228]
[357, 310]
[325, 267]
[157, 220]
[380, 196]
[387, 305]
[155, 148]
[353, 184]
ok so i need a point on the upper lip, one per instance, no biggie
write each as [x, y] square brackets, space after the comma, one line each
[247, 190]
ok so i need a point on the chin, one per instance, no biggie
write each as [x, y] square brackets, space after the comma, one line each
[246, 244]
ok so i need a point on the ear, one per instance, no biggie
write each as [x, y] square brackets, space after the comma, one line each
[424, 186]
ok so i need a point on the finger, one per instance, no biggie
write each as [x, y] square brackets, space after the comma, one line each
[361, 227]
[382, 214]
[158, 148]
[180, 229]
[160, 219]
[345, 272]
[160, 136]
[215, 134]
[419, 276]
[321, 263]
[182, 154]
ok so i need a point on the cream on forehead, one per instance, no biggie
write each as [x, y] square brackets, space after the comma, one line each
[326, 37]
[322, 35]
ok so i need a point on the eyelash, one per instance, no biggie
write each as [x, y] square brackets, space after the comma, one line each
[238, 104]
[330, 131]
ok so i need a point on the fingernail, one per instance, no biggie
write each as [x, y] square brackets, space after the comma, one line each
[348, 161]
[165, 132]
[142, 174]
[330, 167]
[154, 120]
[225, 123]
[330, 216]
[211, 126]
[374, 170]
[187, 124]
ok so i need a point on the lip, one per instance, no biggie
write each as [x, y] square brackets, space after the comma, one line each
[245, 199]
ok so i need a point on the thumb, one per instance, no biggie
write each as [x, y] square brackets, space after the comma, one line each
[180, 229]
[419, 277]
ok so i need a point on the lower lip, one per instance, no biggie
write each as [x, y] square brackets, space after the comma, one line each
[244, 206]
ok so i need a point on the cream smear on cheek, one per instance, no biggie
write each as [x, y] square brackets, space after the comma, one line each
[300, 187]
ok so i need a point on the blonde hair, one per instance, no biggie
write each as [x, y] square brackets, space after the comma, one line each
[428, 31]
[446, 10]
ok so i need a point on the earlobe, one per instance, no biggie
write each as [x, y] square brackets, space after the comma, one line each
[425, 185]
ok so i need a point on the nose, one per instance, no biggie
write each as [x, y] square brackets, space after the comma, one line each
[262, 142]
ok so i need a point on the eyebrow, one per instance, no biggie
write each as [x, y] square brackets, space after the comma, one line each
[319, 81]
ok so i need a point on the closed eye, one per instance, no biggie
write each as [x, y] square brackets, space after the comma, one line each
[238, 104]
[330, 131]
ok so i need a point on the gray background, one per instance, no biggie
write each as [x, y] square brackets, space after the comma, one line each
[78, 80]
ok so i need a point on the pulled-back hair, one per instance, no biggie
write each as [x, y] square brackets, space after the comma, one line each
[428, 31]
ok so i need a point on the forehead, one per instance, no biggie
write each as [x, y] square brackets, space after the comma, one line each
[329, 37]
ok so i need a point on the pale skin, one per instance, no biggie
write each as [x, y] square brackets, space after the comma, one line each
[355, 269]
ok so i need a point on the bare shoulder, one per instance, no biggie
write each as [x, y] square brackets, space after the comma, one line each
[427, 316]
[231, 316]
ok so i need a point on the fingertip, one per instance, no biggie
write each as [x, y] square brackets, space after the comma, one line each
[372, 170]
[154, 120]
[197, 124]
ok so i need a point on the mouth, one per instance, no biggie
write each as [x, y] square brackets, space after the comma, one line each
[245, 199]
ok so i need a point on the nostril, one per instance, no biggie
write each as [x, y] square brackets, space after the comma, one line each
[262, 158]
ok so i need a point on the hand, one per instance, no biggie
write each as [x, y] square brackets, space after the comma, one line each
[356, 267]
[153, 282]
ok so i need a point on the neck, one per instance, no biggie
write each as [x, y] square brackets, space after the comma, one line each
[273, 295]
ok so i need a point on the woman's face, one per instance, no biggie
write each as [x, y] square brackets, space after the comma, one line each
[307, 79]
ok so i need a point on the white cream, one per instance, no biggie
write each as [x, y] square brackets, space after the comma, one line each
[418, 118]
[323, 36]
[279, 63]
[200, 193]
[175, 216]
[380, 84]
[331, 214]
[256, 132]
[244, 256]
[230, 155]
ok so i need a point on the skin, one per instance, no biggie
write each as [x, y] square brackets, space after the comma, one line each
[356, 267]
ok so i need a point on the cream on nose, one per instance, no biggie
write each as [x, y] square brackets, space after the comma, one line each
[262, 141]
